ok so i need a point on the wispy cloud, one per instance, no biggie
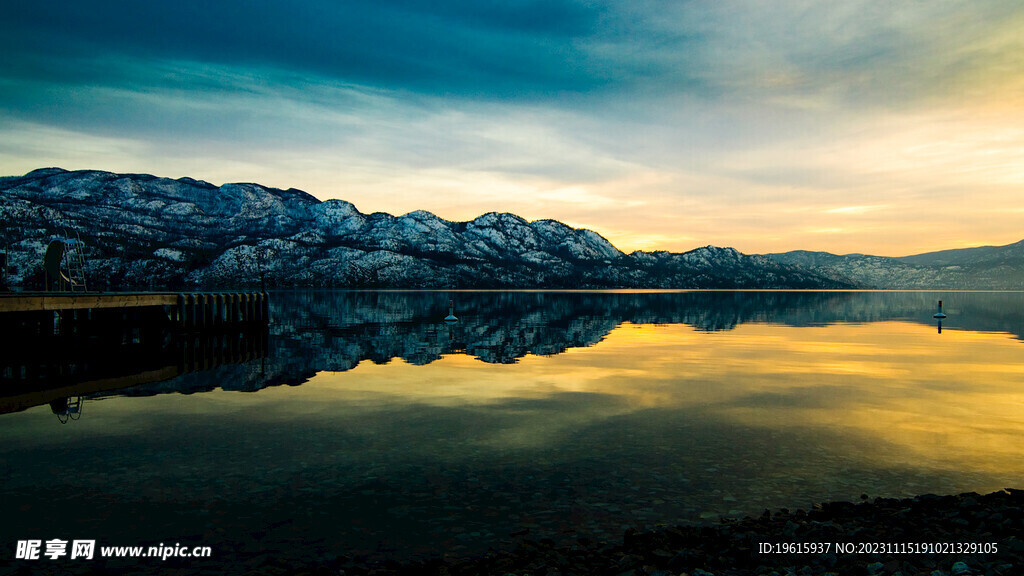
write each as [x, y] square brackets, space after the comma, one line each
[678, 123]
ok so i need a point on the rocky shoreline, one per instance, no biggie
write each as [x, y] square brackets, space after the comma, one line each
[928, 535]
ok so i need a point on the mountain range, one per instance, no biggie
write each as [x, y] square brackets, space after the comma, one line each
[141, 231]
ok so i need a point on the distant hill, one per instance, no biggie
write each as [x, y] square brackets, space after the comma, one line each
[982, 268]
[1011, 254]
[141, 231]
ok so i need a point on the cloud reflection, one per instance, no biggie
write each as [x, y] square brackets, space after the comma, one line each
[928, 401]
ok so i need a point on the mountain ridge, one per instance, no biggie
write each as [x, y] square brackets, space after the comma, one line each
[145, 231]
[148, 231]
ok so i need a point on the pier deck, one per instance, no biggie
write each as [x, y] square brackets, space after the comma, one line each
[190, 310]
[44, 301]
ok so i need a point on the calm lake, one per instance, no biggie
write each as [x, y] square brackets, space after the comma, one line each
[365, 425]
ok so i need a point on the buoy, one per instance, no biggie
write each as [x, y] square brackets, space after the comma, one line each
[939, 314]
[451, 312]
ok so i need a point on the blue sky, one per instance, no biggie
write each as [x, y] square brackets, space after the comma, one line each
[880, 127]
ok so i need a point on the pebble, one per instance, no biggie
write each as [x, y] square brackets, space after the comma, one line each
[960, 569]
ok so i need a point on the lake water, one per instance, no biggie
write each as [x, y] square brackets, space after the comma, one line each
[367, 426]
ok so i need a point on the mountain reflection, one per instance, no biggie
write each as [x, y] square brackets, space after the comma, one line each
[334, 331]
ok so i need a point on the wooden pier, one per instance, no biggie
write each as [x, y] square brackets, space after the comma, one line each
[189, 311]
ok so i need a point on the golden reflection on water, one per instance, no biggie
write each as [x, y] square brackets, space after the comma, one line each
[892, 396]
[653, 424]
[951, 401]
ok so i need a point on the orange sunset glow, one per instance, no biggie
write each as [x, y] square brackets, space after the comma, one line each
[869, 128]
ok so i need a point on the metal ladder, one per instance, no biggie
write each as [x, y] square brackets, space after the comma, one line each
[74, 262]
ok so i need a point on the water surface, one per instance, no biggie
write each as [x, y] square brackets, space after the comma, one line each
[371, 427]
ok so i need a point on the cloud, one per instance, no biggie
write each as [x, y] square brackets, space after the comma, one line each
[486, 49]
[660, 125]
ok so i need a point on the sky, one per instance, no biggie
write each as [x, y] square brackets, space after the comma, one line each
[878, 127]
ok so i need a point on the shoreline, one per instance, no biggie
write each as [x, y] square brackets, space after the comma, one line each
[930, 535]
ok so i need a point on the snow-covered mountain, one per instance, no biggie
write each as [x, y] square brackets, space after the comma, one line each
[142, 231]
